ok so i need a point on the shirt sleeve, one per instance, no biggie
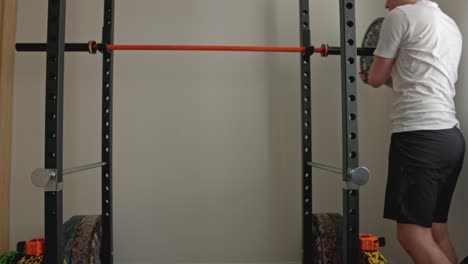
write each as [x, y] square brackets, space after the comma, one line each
[391, 34]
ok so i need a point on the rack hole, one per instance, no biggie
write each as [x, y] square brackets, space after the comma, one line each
[352, 117]
[352, 98]
[351, 60]
[350, 42]
[53, 77]
[350, 23]
[349, 5]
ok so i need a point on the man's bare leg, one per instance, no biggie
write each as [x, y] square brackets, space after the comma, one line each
[420, 244]
[441, 237]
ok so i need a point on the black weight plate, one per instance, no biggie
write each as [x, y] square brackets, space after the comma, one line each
[338, 223]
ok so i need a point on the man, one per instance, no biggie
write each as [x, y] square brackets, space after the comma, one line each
[418, 56]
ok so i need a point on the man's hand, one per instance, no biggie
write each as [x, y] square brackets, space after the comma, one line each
[363, 77]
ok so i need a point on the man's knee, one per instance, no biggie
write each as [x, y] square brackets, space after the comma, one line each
[411, 235]
[404, 237]
[440, 232]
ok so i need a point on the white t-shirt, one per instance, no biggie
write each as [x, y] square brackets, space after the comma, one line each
[427, 45]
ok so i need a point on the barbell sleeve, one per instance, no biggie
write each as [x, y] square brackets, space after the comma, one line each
[37, 47]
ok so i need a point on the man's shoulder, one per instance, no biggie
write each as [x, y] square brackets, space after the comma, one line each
[397, 15]
[400, 10]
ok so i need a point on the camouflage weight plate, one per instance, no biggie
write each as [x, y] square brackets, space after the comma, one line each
[69, 229]
[325, 240]
[86, 244]
[371, 39]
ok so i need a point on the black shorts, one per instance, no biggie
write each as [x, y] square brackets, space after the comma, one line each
[423, 171]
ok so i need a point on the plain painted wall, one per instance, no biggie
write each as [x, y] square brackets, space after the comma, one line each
[206, 145]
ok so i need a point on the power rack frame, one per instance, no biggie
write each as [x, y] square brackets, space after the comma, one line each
[56, 48]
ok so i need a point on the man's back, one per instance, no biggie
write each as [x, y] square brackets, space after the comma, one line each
[427, 46]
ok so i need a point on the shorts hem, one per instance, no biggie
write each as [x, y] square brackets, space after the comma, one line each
[409, 222]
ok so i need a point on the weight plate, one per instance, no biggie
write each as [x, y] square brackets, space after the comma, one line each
[86, 244]
[371, 39]
[325, 240]
[69, 228]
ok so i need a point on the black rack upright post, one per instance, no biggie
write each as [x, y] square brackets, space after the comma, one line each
[350, 131]
[107, 110]
[307, 239]
[54, 131]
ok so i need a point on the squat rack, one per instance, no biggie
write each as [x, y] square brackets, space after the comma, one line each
[51, 178]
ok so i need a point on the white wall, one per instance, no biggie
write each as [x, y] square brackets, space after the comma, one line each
[206, 145]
